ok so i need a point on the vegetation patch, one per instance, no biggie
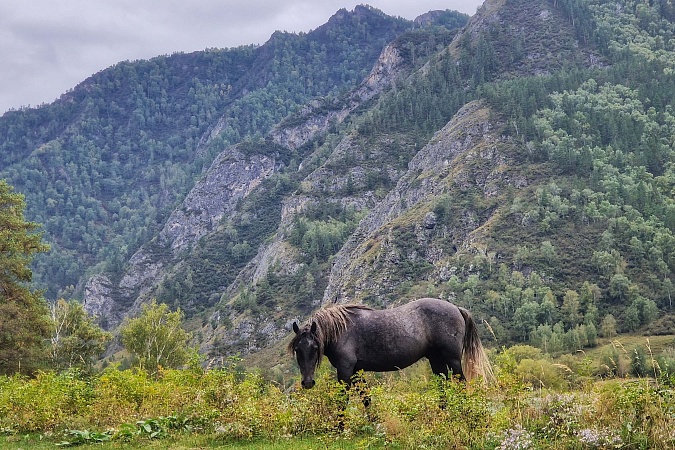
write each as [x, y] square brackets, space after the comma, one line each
[536, 401]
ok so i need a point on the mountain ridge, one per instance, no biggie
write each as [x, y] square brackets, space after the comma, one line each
[165, 108]
[514, 165]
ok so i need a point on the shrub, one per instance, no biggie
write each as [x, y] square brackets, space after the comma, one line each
[613, 362]
[120, 395]
[640, 409]
[540, 374]
[44, 403]
[521, 352]
[411, 409]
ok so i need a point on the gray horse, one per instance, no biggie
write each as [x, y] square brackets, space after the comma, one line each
[356, 337]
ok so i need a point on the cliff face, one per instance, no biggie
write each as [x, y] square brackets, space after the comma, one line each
[467, 154]
[231, 177]
[317, 117]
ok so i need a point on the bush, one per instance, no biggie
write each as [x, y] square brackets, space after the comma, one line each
[541, 374]
[665, 366]
[613, 362]
[639, 409]
[45, 403]
[411, 409]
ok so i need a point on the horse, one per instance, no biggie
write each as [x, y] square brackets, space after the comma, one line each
[357, 337]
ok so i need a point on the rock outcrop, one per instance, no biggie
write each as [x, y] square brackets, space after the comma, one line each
[442, 165]
[232, 176]
[318, 116]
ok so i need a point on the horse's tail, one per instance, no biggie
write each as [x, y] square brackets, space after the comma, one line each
[474, 359]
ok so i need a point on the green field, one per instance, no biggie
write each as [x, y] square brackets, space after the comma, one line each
[194, 443]
[589, 400]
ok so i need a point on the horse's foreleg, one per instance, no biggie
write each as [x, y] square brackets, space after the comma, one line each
[345, 380]
[342, 406]
[362, 388]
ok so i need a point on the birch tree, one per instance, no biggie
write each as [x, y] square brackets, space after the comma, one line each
[76, 341]
[155, 338]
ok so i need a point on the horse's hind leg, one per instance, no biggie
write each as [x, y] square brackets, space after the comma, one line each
[440, 369]
[438, 366]
[456, 368]
[443, 364]
[444, 367]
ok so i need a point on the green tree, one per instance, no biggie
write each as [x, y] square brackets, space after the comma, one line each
[548, 310]
[619, 285]
[525, 320]
[608, 326]
[570, 309]
[548, 252]
[156, 339]
[24, 324]
[76, 340]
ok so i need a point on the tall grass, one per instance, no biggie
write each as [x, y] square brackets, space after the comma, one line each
[409, 410]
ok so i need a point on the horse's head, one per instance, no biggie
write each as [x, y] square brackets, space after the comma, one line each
[306, 347]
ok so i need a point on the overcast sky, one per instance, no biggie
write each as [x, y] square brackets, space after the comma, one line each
[49, 46]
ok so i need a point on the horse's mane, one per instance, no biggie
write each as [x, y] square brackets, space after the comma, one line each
[331, 322]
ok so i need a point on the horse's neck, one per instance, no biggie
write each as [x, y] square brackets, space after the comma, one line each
[329, 352]
[330, 344]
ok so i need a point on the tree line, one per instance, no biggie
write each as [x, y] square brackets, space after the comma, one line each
[37, 335]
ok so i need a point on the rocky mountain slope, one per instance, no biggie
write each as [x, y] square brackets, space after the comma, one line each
[104, 166]
[234, 174]
[521, 166]
[401, 240]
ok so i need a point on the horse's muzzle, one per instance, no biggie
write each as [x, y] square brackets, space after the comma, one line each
[308, 384]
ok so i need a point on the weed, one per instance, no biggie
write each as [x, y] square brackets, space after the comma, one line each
[78, 437]
[411, 409]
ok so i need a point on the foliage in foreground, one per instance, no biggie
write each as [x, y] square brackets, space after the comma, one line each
[233, 406]
[23, 324]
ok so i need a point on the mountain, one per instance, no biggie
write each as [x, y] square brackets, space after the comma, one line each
[520, 164]
[104, 166]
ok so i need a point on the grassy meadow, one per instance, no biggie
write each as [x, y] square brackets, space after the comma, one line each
[574, 401]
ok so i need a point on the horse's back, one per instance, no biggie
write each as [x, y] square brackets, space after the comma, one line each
[421, 317]
[435, 312]
[411, 329]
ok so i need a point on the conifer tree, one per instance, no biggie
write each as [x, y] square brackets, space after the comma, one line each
[24, 324]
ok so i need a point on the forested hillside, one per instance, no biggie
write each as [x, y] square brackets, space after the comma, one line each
[103, 166]
[521, 164]
[545, 204]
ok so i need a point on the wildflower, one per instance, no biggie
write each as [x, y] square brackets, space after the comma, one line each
[604, 438]
[516, 438]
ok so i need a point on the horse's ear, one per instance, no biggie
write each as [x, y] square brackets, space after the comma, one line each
[313, 329]
[296, 328]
